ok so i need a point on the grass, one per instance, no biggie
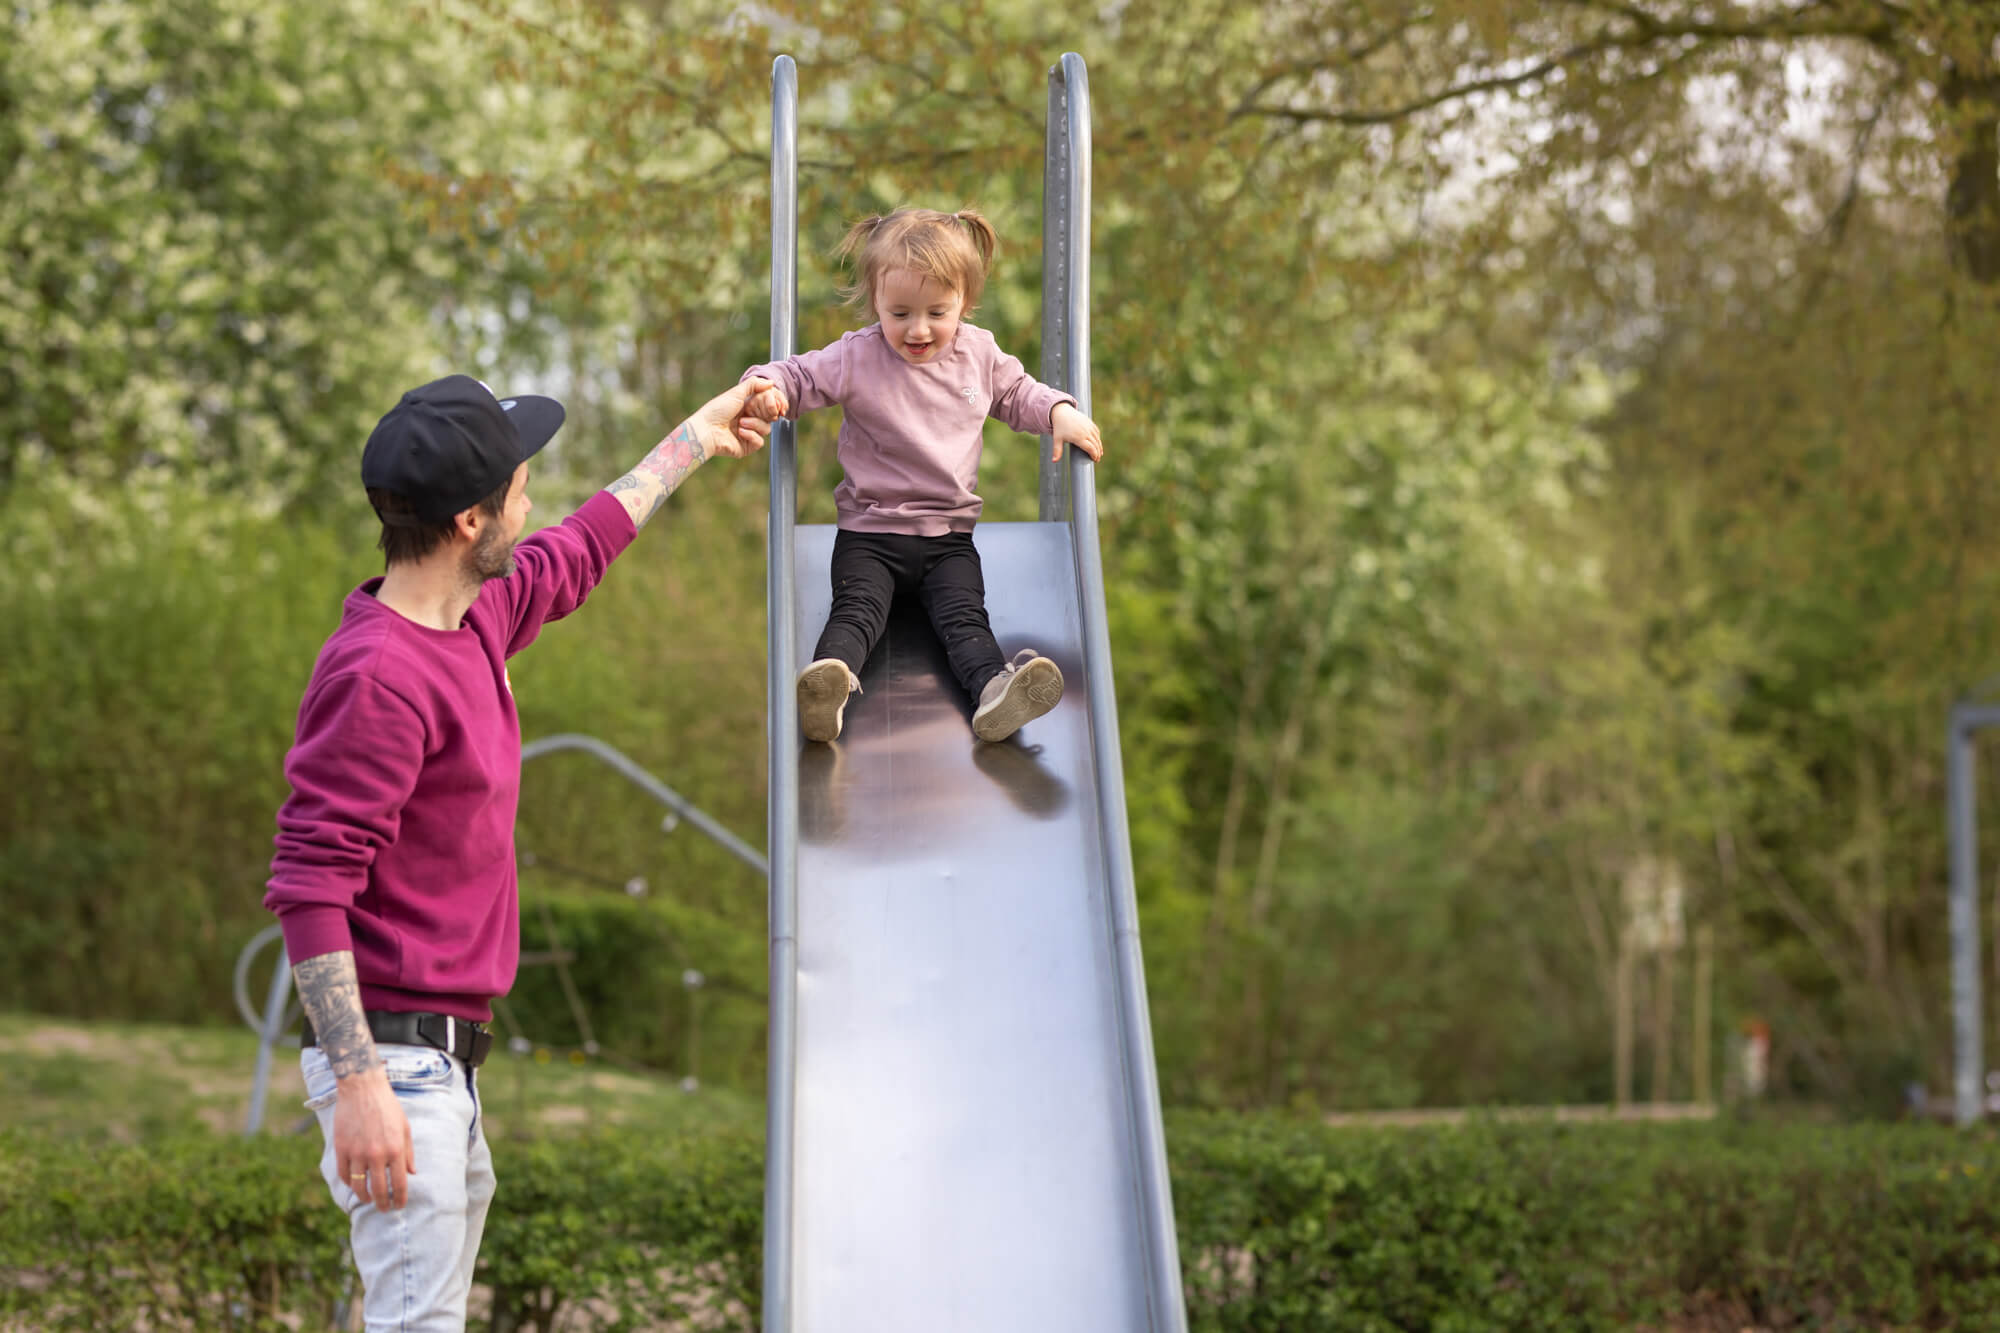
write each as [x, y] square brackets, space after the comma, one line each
[139, 1082]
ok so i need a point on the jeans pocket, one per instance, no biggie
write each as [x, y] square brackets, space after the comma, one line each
[411, 1070]
[414, 1069]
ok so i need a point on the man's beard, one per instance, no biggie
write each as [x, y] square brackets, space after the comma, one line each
[491, 557]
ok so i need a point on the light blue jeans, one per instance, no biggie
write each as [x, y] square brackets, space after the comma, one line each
[416, 1262]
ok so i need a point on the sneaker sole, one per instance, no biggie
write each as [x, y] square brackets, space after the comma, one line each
[1034, 690]
[822, 699]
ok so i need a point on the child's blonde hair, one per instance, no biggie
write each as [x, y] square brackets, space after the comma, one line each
[954, 249]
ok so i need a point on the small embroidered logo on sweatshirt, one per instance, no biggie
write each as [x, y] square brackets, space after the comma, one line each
[969, 393]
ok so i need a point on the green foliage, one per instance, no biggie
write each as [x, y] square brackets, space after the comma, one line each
[664, 663]
[1315, 485]
[202, 1233]
[1542, 438]
[1282, 1225]
[163, 641]
[1825, 565]
[210, 270]
[652, 1230]
[628, 969]
[1287, 1226]
[166, 639]
[216, 1233]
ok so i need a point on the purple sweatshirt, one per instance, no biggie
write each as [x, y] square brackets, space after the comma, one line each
[909, 435]
[397, 841]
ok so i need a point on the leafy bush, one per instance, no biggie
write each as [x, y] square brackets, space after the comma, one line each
[627, 962]
[160, 647]
[1282, 1225]
[197, 1234]
[240, 1235]
[1288, 1226]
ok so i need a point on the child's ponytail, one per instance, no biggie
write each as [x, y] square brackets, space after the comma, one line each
[861, 292]
[984, 238]
[857, 236]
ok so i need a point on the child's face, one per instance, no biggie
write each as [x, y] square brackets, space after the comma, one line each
[919, 315]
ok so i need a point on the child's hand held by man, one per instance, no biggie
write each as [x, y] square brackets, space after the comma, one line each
[767, 403]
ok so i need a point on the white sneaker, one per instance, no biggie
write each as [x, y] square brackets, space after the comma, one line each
[1026, 688]
[823, 690]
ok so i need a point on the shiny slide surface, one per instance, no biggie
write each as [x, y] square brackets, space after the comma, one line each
[964, 1153]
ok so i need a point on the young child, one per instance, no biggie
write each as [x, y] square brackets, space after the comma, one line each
[916, 386]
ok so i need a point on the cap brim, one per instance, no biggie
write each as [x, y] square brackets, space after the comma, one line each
[536, 420]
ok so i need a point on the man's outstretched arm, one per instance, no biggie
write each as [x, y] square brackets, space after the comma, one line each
[720, 427]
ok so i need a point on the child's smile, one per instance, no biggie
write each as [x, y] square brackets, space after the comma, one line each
[919, 315]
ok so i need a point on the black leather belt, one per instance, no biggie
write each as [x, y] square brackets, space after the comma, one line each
[461, 1037]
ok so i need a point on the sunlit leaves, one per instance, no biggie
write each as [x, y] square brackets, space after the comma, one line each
[213, 270]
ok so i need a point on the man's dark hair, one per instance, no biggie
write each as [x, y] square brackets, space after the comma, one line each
[406, 541]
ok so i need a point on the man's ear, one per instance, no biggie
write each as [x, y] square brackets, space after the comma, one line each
[466, 523]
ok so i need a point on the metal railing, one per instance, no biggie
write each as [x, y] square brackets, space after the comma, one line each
[1066, 328]
[1968, 1023]
[781, 633]
[652, 786]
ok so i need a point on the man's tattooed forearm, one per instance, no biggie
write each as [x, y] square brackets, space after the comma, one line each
[331, 994]
[659, 474]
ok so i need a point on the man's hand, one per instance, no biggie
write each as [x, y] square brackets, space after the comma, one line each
[728, 426]
[721, 428]
[372, 1148]
[1069, 426]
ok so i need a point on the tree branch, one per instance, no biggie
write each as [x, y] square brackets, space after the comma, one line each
[1645, 31]
[1797, 25]
[1390, 115]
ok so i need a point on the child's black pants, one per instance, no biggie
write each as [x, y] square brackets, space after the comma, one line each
[870, 569]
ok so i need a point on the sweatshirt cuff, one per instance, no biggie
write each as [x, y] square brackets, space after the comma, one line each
[1056, 398]
[312, 931]
[606, 515]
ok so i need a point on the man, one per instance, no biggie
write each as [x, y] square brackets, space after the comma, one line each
[394, 874]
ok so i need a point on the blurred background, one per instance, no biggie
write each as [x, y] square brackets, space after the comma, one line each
[1548, 504]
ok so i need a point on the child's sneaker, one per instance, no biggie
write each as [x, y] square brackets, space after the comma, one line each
[823, 690]
[1026, 688]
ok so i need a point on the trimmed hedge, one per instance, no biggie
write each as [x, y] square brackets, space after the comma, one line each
[1282, 1226]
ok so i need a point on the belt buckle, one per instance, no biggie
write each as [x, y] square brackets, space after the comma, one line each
[478, 1041]
[427, 1029]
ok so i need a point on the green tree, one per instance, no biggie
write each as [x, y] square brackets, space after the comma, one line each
[1303, 461]
[1543, 437]
[210, 269]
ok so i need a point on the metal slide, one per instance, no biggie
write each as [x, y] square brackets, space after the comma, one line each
[964, 1123]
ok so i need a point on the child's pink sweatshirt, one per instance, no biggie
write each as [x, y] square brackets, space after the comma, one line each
[909, 439]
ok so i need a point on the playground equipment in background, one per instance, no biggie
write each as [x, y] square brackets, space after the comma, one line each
[277, 1022]
[1972, 1095]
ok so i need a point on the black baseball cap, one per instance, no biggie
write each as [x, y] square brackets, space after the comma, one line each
[451, 443]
